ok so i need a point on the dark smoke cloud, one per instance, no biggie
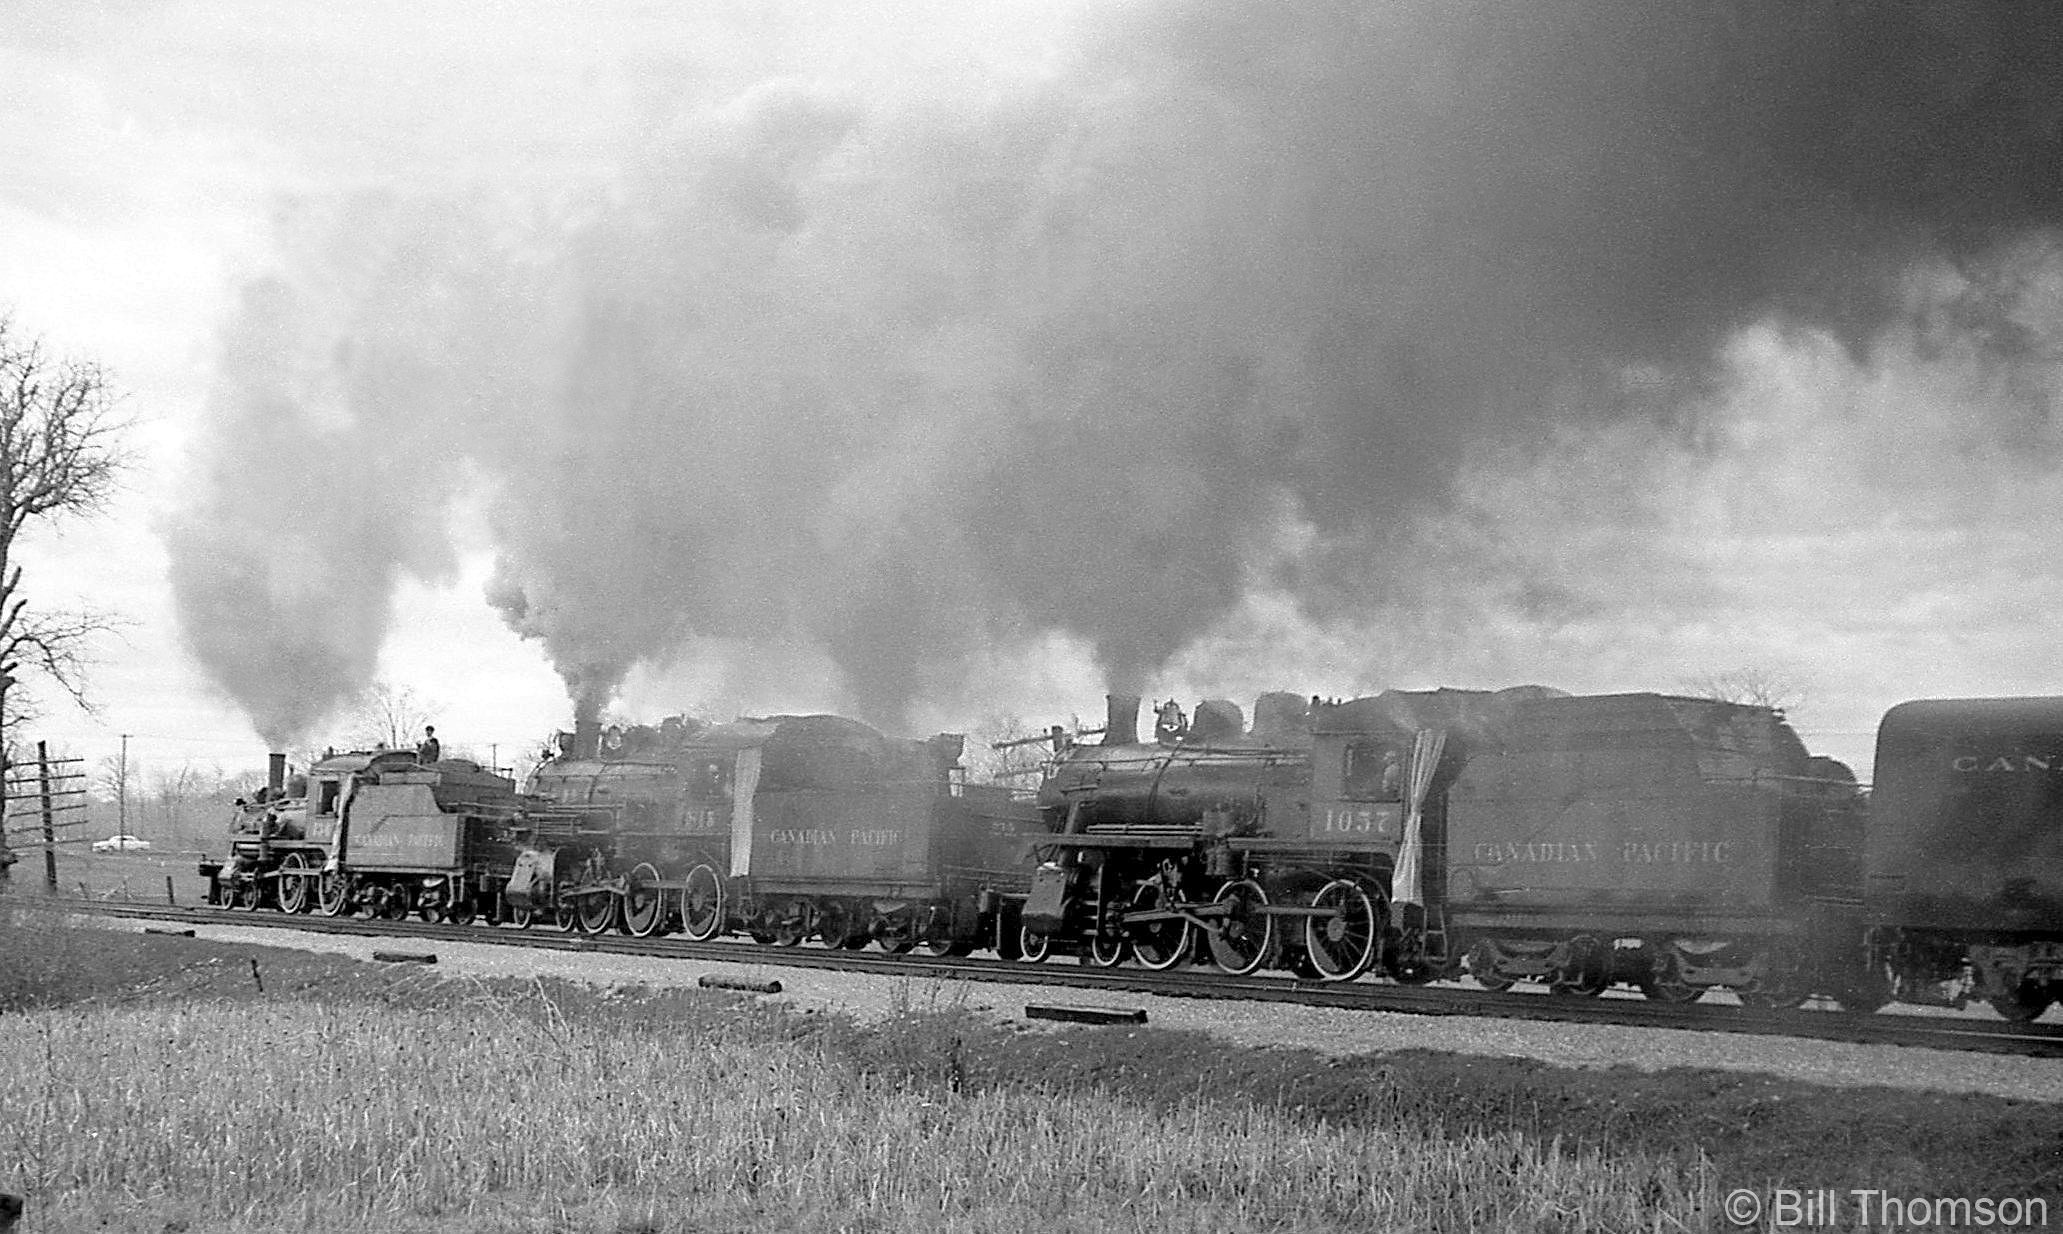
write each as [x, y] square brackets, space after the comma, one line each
[331, 453]
[902, 374]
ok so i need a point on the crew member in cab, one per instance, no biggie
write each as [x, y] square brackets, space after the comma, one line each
[1373, 773]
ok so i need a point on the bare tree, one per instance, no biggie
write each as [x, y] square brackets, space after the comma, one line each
[384, 714]
[173, 793]
[1756, 685]
[115, 781]
[1005, 749]
[59, 454]
[186, 805]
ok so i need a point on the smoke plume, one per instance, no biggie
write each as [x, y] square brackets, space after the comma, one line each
[908, 366]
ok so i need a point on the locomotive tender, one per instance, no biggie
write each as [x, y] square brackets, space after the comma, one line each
[1677, 845]
[1964, 868]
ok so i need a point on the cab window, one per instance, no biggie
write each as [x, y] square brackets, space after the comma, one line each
[710, 781]
[1373, 772]
[326, 796]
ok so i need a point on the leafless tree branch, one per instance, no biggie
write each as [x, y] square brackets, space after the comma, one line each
[388, 715]
[61, 453]
[1754, 685]
[55, 646]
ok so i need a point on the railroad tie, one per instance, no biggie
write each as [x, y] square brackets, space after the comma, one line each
[1085, 1015]
[710, 981]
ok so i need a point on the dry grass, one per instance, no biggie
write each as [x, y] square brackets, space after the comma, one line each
[292, 1114]
[44, 959]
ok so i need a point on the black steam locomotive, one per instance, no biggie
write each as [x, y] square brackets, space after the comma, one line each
[1676, 845]
[782, 828]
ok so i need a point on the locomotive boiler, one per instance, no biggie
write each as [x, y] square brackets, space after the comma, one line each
[1285, 846]
[1154, 841]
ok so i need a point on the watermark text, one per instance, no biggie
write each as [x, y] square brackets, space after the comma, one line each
[1785, 1208]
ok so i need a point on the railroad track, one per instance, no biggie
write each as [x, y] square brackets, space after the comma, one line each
[1934, 1032]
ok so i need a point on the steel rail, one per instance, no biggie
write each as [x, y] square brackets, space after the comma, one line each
[2035, 1040]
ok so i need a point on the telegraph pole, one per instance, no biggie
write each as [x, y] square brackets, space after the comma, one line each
[49, 817]
[122, 787]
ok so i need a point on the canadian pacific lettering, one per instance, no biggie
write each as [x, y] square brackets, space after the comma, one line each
[871, 837]
[1569, 852]
[1973, 764]
[1555, 852]
[1680, 852]
[379, 840]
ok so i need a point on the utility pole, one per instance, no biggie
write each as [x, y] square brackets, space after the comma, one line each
[122, 787]
[49, 818]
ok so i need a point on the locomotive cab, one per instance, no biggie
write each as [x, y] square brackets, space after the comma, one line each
[1357, 783]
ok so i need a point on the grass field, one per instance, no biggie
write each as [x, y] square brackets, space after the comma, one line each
[151, 1084]
[359, 1115]
[137, 876]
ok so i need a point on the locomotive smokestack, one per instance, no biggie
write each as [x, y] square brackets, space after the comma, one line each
[587, 738]
[1121, 725]
[275, 773]
[946, 749]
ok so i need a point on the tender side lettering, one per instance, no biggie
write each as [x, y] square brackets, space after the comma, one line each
[1551, 852]
[1631, 852]
[1679, 852]
[872, 837]
[1980, 764]
[398, 842]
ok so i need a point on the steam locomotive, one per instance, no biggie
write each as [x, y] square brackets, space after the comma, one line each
[783, 828]
[1676, 845]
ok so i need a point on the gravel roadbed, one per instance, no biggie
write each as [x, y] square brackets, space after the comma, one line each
[1262, 1025]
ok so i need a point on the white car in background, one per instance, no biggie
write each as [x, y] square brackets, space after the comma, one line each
[120, 844]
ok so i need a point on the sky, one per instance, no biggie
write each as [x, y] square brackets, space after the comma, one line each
[948, 364]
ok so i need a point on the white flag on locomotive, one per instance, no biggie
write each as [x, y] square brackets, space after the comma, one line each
[1407, 884]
